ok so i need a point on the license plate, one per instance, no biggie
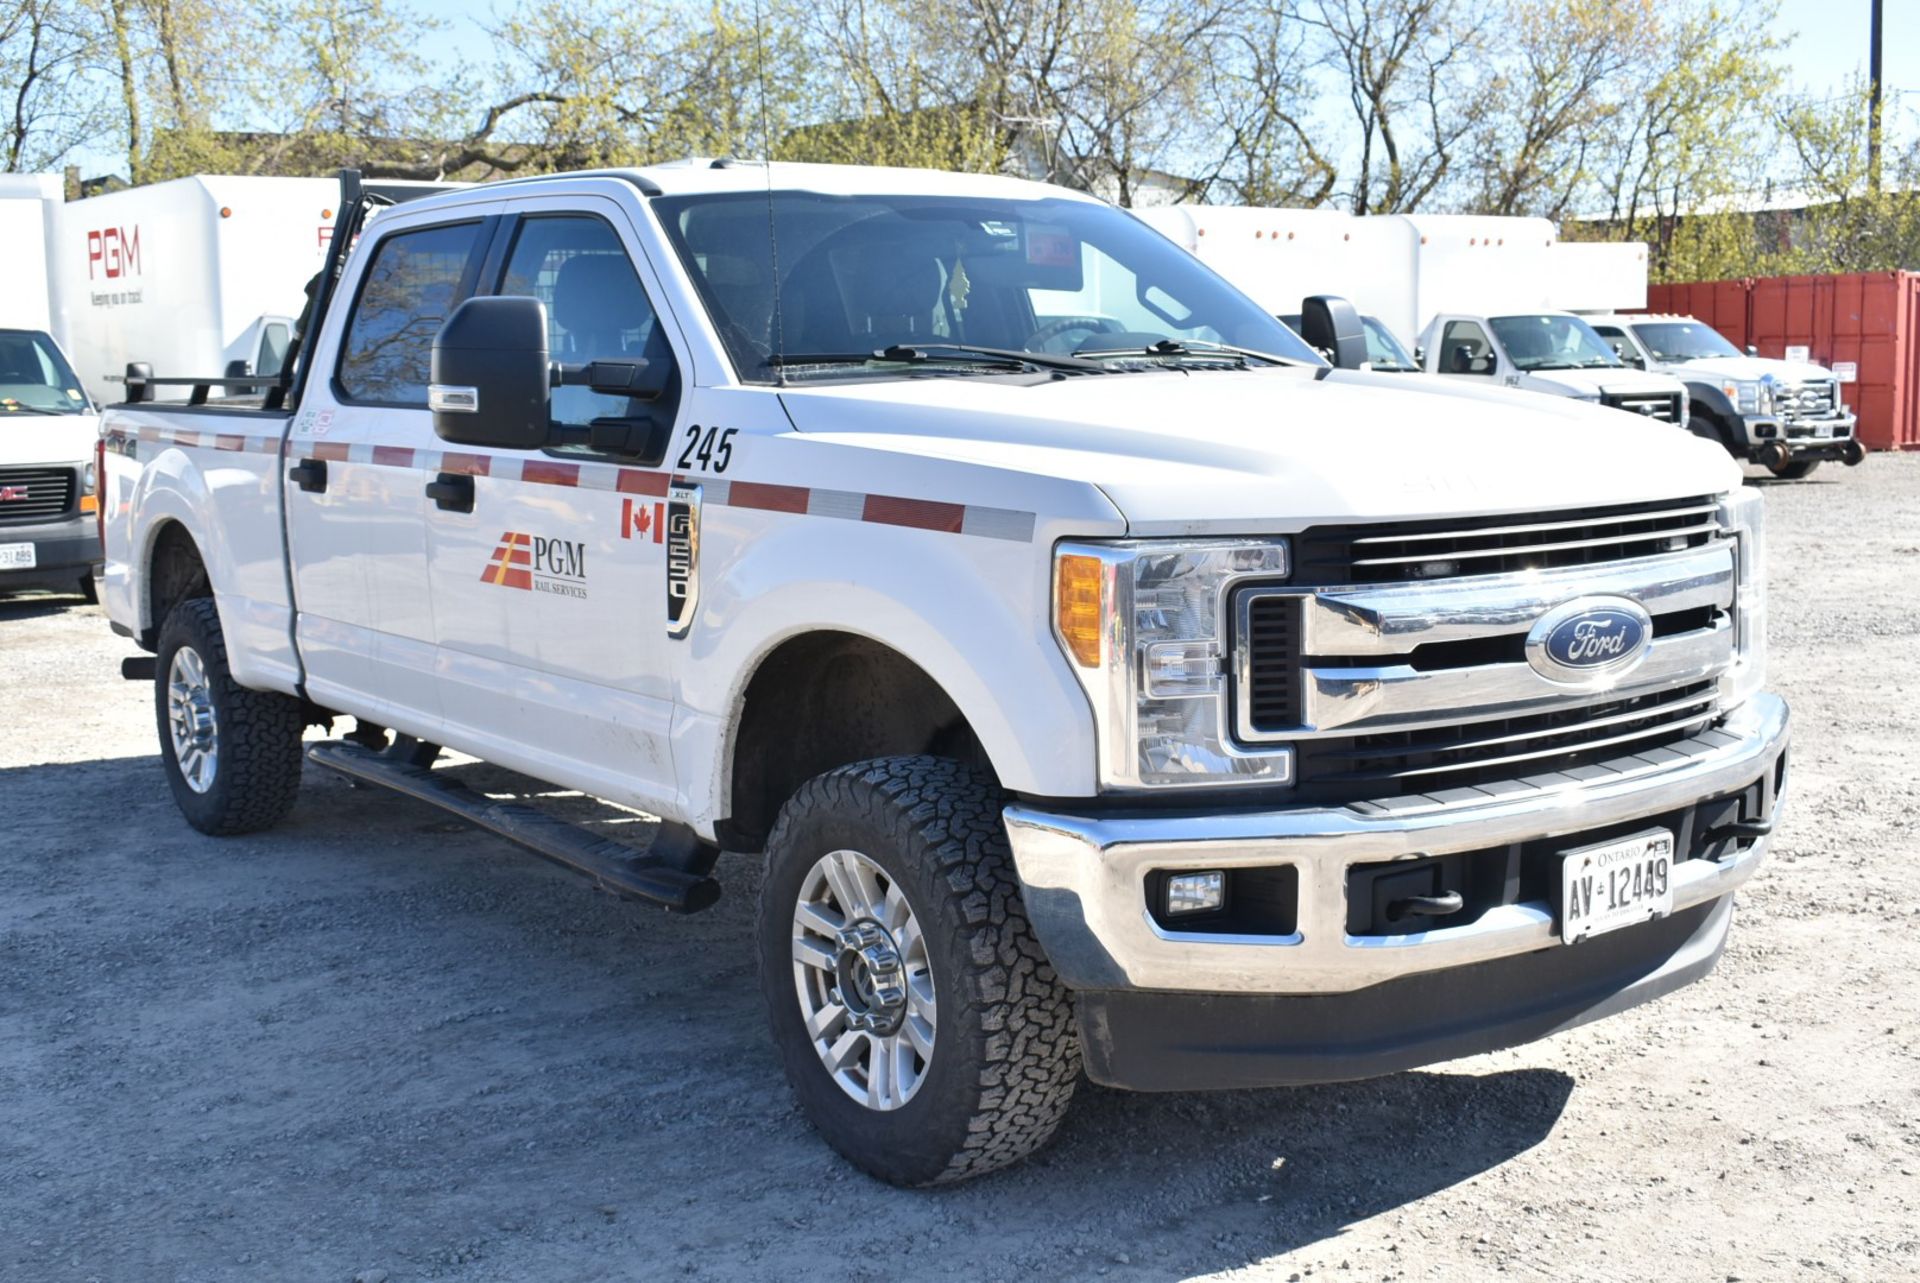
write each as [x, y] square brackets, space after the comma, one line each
[1616, 884]
[17, 556]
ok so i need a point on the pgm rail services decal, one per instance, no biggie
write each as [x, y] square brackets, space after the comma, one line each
[535, 563]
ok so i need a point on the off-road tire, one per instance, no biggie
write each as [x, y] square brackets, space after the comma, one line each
[1006, 1055]
[1795, 469]
[257, 775]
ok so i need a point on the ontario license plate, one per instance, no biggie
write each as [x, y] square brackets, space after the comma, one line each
[17, 556]
[1616, 884]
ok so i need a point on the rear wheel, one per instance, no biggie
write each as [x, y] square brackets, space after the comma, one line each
[1793, 469]
[923, 1030]
[232, 755]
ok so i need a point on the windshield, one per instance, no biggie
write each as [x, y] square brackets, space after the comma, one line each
[1383, 349]
[34, 377]
[1384, 352]
[1552, 343]
[932, 274]
[1684, 341]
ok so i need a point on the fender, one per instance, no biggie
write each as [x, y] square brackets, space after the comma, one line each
[1711, 403]
[946, 604]
[171, 488]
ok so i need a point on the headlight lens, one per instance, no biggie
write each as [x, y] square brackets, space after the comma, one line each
[1144, 625]
[1744, 514]
[1743, 395]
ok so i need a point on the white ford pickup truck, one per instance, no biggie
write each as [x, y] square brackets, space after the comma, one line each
[1105, 679]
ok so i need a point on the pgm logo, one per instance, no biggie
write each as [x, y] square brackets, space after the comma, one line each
[535, 563]
[112, 253]
[636, 519]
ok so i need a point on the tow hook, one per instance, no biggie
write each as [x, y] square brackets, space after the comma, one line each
[1444, 905]
[139, 668]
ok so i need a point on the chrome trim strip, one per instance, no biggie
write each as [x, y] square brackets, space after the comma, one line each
[1609, 541]
[1401, 697]
[1085, 876]
[1653, 514]
[1391, 619]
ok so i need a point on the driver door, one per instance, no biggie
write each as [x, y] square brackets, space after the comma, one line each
[547, 593]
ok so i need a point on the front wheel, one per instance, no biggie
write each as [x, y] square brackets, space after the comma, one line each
[232, 755]
[921, 1025]
[1793, 469]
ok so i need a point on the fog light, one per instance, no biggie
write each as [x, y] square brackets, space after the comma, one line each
[1196, 892]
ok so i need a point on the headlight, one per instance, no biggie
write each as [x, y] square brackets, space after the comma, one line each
[1744, 514]
[93, 480]
[1144, 626]
[1744, 396]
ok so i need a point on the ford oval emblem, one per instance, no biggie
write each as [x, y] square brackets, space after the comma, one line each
[1589, 642]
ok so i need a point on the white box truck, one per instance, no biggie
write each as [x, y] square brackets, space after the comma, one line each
[201, 273]
[1430, 276]
[28, 205]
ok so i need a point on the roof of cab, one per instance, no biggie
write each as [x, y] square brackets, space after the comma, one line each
[702, 175]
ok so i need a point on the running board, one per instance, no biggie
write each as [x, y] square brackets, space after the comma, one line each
[611, 866]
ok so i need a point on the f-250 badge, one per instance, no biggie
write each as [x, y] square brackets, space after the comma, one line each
[683, 558]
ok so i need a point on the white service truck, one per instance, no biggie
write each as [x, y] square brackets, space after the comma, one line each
[1431, 274]
[1787, 416]
[1104, 680]
[49, 431]
[204, 274]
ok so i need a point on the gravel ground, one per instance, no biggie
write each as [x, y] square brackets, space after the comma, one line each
[376, 1045]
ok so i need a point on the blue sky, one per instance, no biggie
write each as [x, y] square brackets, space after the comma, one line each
[1829, 46]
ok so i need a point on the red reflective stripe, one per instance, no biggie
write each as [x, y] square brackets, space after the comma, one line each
[634, 481]
[228, 442]
[329, 451]
[393, 456]
[921, 514]
[757, 494]
[539, 472]
[472, 465]
[183, 438]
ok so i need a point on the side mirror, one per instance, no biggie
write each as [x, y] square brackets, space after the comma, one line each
[1465, 362]
[490, 383]
[1420, 357]
[238, 369]
[1753, 349]
[1331, 324]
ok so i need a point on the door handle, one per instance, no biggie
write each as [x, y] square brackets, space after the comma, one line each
[452, 492]
[310, 475]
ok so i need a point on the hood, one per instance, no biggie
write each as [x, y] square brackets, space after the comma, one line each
[1274, 450]
[36, 438]
[1714, 368]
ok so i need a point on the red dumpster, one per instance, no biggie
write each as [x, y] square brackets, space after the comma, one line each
[1870, 320]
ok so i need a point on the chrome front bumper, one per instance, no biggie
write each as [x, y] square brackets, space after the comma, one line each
[1085, 876]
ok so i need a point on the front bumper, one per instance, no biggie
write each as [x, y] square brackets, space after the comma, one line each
[65, 552]
[1085, 875]
[1794, 439]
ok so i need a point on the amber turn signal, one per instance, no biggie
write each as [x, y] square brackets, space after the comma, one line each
[1077, 590]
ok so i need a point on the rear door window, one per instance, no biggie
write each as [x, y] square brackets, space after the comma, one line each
[415, 279]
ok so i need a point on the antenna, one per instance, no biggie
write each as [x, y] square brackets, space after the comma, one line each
[766, 161]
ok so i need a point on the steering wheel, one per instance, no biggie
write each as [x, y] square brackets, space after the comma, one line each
[1054, 329]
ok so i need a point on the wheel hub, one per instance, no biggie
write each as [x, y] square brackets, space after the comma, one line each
[192, 724]
[872, 983]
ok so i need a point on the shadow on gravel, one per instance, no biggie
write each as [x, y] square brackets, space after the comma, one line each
[38, 605]
[374, 1035]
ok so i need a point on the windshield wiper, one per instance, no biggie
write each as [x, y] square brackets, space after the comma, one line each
[941, 353]
[1190, 347]
[13, 407]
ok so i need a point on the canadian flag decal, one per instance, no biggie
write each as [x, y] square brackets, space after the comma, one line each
[509, 564]
[636, 519]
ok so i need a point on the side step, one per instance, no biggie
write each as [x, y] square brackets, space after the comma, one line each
[612, 866]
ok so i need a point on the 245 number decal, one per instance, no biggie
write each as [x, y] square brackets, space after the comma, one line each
[708, 449]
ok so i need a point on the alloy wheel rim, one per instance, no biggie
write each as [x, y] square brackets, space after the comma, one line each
[191, 723]
[864, 980]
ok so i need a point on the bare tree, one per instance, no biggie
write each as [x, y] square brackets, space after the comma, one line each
[45, 50]
[1415, 89]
